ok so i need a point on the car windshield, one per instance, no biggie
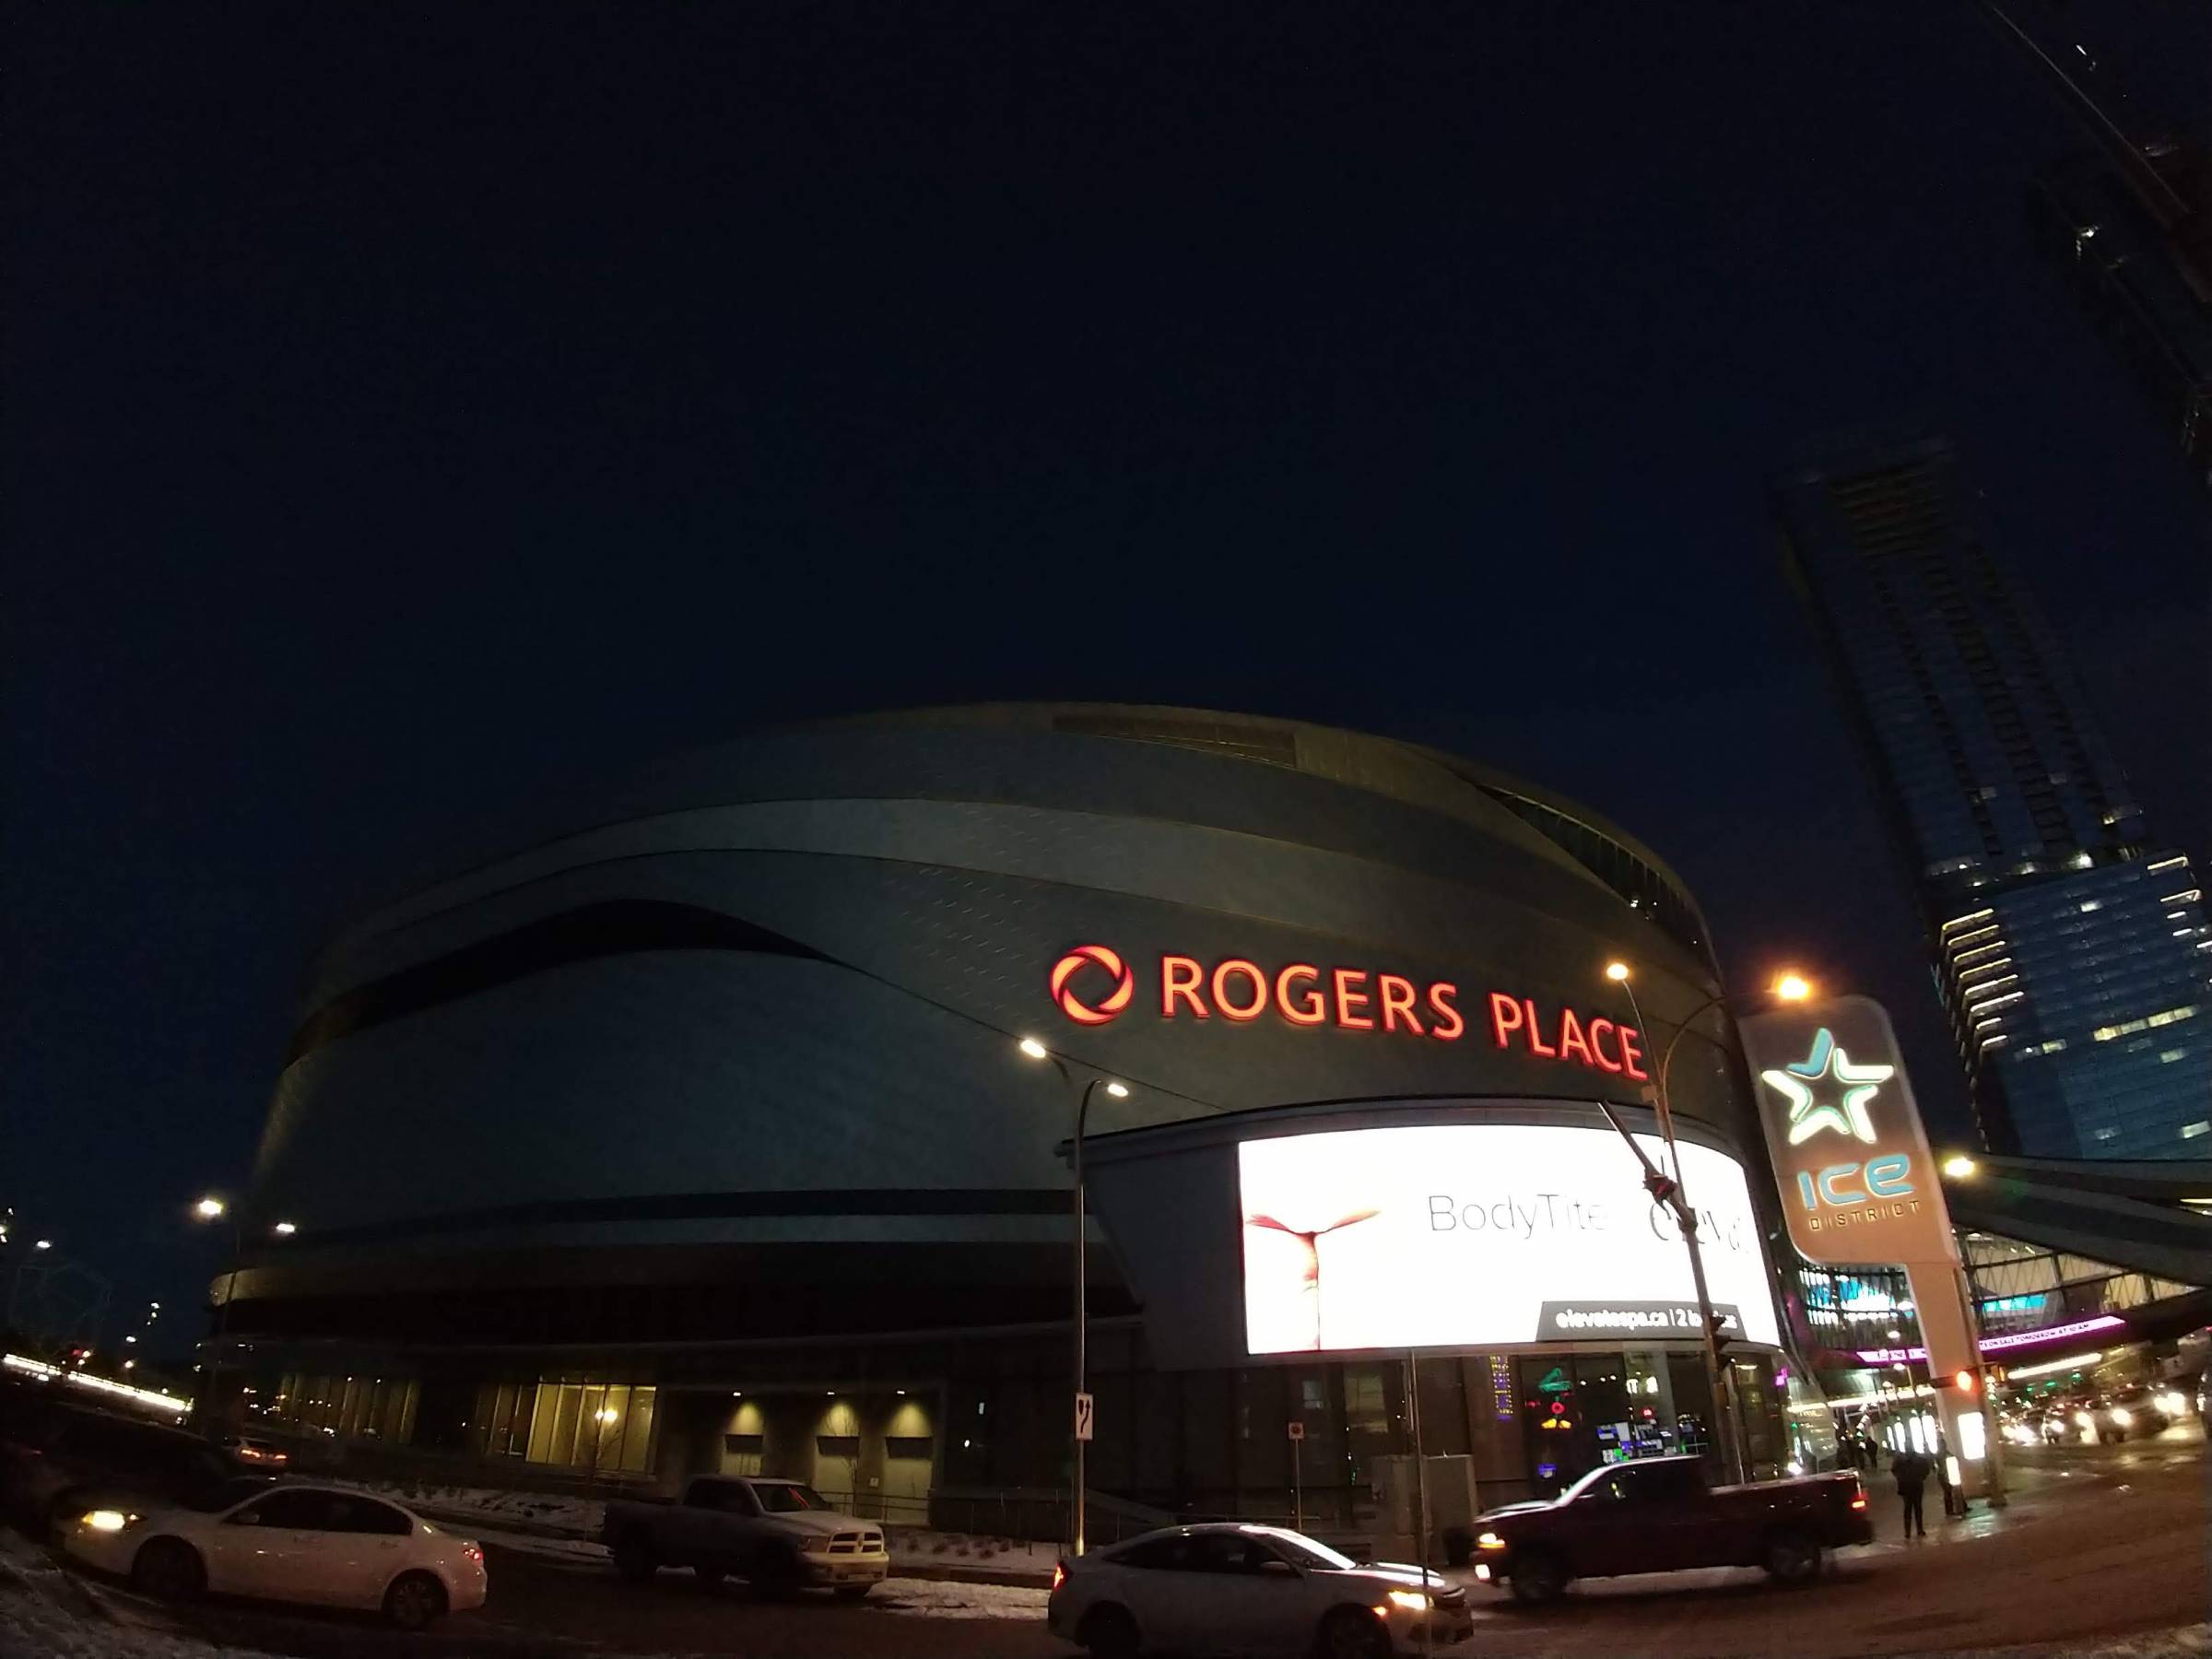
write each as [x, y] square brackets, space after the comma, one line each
[1585, 1483]
[784, 1497]
[1305, 1552]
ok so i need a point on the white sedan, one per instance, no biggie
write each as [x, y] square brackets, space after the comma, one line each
[329, 1545]
[1227, 1587]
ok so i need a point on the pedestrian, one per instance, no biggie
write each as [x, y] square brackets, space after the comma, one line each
[1911, 1471]
[1952, 1503]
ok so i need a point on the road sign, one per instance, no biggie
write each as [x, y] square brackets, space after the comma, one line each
[1297, 1431]
[1082, 1416]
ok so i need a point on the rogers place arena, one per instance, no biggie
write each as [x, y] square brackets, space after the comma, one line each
[689, 1130]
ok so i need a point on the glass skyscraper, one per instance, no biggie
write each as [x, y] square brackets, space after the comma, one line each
[2069, 948]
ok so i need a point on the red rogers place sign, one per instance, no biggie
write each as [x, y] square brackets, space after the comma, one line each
[1093, 984]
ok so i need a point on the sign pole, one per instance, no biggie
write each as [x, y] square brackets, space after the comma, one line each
[1420, 1485]
[1297, 1484]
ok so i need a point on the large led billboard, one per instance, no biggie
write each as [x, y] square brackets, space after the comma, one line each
[1486, 1235]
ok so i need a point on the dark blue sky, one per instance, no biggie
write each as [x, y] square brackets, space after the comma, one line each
[411, 410]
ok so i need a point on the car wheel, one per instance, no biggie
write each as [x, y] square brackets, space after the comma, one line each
[1109, 1633]
[777, 1577]
[1538, 1576]
[633, 1559]
[415, 1600]
[1353, 1633]
[169, 1569]
[1791, 1558]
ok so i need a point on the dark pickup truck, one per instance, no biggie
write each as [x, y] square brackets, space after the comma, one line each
[1658, 1516]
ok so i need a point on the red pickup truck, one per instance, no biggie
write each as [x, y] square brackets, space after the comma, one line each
[1658, 1516]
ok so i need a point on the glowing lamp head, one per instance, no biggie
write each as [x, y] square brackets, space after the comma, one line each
[1964, 1381]
[1793, 987]
[1034, 1049]
[209, 1208]
[1120, 1091]
[284, 1229]
[43, 1244]
[1957, 1165]
[1617, 972]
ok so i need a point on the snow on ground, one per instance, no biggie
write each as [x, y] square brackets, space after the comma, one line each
[45, 1613]
[558, 1550]
[937, 1599]
[544, 1509]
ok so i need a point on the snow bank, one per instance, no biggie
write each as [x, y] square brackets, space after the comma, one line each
[936, 1599]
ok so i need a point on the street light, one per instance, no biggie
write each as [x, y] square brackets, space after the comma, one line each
[284, 1229]
[209, 1208]
[1120, 1091]
[43, 1244]
[1958, 1166]
[1791, 987]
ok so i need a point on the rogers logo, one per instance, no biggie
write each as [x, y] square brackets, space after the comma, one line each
[1089, 955]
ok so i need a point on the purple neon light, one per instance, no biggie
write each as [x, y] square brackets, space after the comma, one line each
[2000, 1345]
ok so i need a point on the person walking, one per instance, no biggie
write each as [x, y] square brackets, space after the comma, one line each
[1911, 1471]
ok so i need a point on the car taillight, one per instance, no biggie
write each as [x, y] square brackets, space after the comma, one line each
[1059, 1574]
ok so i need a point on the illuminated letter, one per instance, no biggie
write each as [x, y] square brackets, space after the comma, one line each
[1441, 1218]
[1397, 1000]
[1259, 990]
[1309, 1012]
[1630, 1053]
[1805, 1190]
[1832, 1174]
[1536, 1044]
[1598, 1028]
[1179, 976]
[1886, 1176]
[1441, 1009]
[1348, 999]
[1505, 1016]
[1572, 1045]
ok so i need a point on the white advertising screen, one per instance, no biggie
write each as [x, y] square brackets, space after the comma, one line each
[1472, 1235]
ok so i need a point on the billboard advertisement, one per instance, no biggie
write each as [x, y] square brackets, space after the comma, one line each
[1858, 1182]
[1485, 1235]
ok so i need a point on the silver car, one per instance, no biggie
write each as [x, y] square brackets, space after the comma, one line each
[1226, 1587]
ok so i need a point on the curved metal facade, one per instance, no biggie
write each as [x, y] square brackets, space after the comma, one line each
[766, 997]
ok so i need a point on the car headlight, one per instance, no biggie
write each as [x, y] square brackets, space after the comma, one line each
[2122, 1415]
[2172, 1403]
[107, 1520]
[1488, 1540]
[1412, 1601]
[2084, 1419]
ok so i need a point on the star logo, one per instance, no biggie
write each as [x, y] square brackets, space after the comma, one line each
[1826, 1061]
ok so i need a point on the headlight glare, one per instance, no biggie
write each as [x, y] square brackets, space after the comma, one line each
[1412, 1600]
[107, 1520]
[1488, 1540]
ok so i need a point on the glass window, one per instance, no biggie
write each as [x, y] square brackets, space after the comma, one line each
[298, 1511]
[351, 1514]
[1172, 1554]
[786, 1497]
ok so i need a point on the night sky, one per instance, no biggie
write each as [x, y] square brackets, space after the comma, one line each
[412, 411]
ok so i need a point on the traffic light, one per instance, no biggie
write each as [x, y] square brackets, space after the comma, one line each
[1965, 1382]
[1724, 1331]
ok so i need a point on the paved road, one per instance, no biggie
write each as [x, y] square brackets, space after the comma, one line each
[2099, 1541]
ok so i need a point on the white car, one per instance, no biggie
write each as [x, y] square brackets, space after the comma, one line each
[329, 1545]
[1226, 1587]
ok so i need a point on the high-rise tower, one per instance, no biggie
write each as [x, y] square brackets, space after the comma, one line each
[2070, 949]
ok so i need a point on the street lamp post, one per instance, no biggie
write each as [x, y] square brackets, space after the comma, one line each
[1035, 1050]
[1668, 1190]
